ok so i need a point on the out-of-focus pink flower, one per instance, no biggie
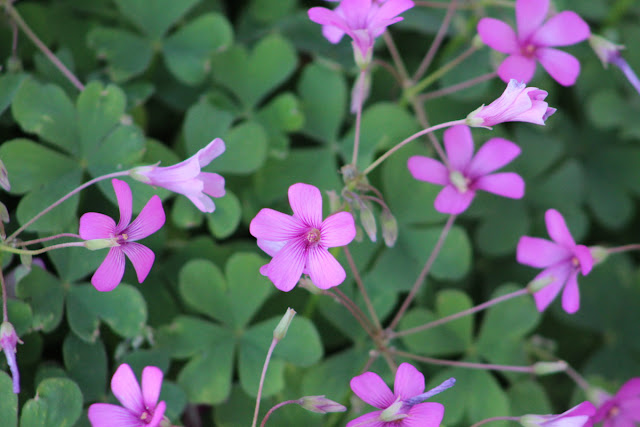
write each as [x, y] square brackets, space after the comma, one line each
[299, 243]
[121, 238]
[561, 259]
[578, 416]
[534, 40]
[623, 409]
[140, 408]
[518, 103]
[609, 53]
[362, 20]
[467, 173]
[8, 343]
[403, 407]
[186, 178]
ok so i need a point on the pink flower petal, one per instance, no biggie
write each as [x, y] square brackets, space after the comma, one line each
[125, 387]
[337, 230]
[565, 28]
[529, 16]
[213, 184]
[96, 226]
[517, 67]
[141, 257]
[108, 415]
[333, 34]
[451, 201]
[427, 414]
[271, 248]
[372, 389]
[493, 155]
[275, 226]
[540, 253]
[585, 258]
[210, 152]
[498, 35]
[557, 229]
[110, 272]
[151, 385]
[183, 171]
[629, 389]
[306, 203]
[324, 270]
[409, 382]
[158, 415]
[560, 273]
[324, 16]
[150, 220]
[564, 68]
[428, 169]
[123, 194]
[459, 146]
[571, 294]
[505, 184]
[201, 201]
[372, 419]
[391, 9]
[356, 12]
[286, 266]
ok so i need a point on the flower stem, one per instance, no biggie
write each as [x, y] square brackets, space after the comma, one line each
[279, 405]
[627, 71]
[421, 114]
[395, 55]
[363, 290]
[6, 248]
[46, 239]
[274, 342]
[469, 365]
[435, 45]
[15, 16]
[353, 309]
[577, 378]
[423, 273]
[625, 248]
[356, 139]
[455, 316]
[392, 150]
[488, 420]
[5, 314]
[457, 87]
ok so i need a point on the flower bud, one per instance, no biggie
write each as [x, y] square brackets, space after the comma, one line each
[8, 342]
[389, 226]
[599, 254]
[95, 244]
[367, 220]
[605, 49]
[4, 177]
[536, 285]
[321, 404]
[545, 368]
[281, 330]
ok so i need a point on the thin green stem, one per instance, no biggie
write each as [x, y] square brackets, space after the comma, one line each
[5, 314]
[435, 45]
[6, 248]
[489, 420]
[457, 87]
[46, 239]
[279, 405]
[469, 365]
[363, 290]
[356, 139]
[274, 342]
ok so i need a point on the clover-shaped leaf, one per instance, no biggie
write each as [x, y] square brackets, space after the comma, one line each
[58, 403]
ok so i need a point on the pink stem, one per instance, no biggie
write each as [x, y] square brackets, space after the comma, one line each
[488, 420]
[469, 365]
[442, 31]
[279, 405]
[274, 342]
[46, 239]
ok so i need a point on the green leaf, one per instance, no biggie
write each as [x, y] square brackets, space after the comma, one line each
[155, 17]
[45, 294]
[486, 398]
[58, 404]
[86, 364]
[268, 11]
[282, 114]
[500, 230]
[189, 336]
[528, 397]
[188, 51]
[184, 214]
[203, 123]
[246, 149]
[119, 150]
[226, 218]
[606, 108]
[9, 85]
[100, 110]
[250, 363]
[8, 401]
[204, 288]
[127, 54]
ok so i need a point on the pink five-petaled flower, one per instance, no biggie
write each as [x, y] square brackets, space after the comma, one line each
[299, 243]
[468, 173]
[403, 407]
[140, 408]
[561, 259]
[578, 416]
[362, 20]
[534, 40]
[186, 178]
[121, 238]
[518, 103]
[623, 409]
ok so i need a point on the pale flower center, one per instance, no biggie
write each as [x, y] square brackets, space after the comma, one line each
[459, 181]
[613, 412]
[122, 238]
[146, 417]
[528, 50]
[575, 262]
[313, 237]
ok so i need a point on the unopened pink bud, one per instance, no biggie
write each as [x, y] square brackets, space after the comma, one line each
[321, 405]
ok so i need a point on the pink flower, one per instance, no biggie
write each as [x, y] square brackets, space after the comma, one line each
[8, 343]
[403, 407]
[362, 20]
[467, 173]
[534, 40]
[623, 409]
[99, 228]
[186, 178]
[141, 407]
[299, 243]
[578, 416]
[561, 259]
[518, 103]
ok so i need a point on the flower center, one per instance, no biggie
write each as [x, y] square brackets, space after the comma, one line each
[313, 237]
[529, 50]
[122, 238]
[459, 181]
[146, 416]
[575, 262]
[613, 412]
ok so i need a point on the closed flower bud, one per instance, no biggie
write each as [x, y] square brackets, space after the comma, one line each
[321, 404]
[281, 330]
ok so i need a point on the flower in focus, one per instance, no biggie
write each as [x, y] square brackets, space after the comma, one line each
[140, 408]
[578, 416]
[101, 231]
[609, 53]
[8, 343]
[561, 259]
[468, 173]
[534, 40]
[518, 103]
[186, 178]
[362, 20]
[299, 243]
[623, 409]
[403, 407]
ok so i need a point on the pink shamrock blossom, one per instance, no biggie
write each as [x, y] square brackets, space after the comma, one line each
[534, 41]
[121, 238]
[561, 259]
[467, 173]
[403, 407]
[8, 343]
[299, 243]
[140, 408]
[518, 103]
[362, 20]
[186, 177]
[623, 409]
[578, 416]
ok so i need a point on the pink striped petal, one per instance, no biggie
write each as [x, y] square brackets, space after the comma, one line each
[150, 220]
[210, 152]
[571, 294]
[110, 272]
[324, 270]
[306, 203]
[108, 415]
[565, 28]
[183, 171]
[275, 226]
[584, 258]
[338, 229]
[493, 155]
[141, 257]
[213, 184]
[158, 415]
[560, 273]
[372, 419]
[123, 194]
[530, 15]
[125, 387]
[540, 253]
[372, 389]
[517, 67]
[409, 382]
[498, 35]
[271, 248]
[557, 229]
[151, 385]
[563, 67]
[427, 414]
[505, 184]
[286, 266]
[451, 201]
[459, 146]
[428, 169]
[96, 226]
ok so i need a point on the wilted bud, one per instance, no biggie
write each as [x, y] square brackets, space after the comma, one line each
[321, 404]
[4, 213]
[281, 330]
[545, 368]
[367, 220]
[389, 226]
[605, 49]
[4, 177]
[95, 244]
[8, 342]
